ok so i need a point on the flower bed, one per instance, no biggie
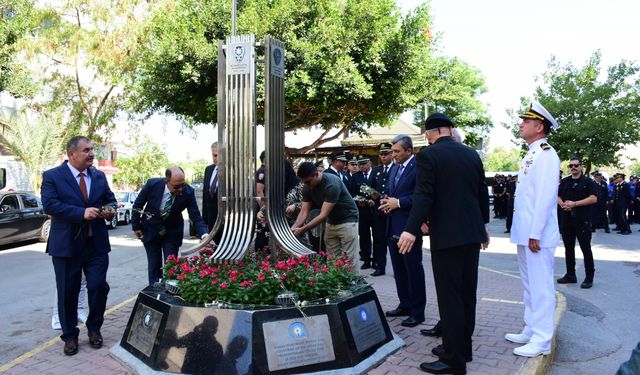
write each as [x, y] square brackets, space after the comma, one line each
[260, 278]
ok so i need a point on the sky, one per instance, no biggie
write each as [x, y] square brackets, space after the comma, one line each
[510, 41]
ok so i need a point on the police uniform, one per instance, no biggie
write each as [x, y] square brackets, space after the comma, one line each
[621, 199]
[535, 217]
[599, 211]
[365, 213]
[511, 193]
[379, 183]
[577, 223]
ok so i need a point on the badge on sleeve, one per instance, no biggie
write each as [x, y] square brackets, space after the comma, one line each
[545, 146]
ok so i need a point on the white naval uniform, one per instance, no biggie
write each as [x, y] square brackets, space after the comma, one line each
[535, 216]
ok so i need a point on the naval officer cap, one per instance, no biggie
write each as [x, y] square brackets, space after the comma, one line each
[363, 159]
[353, 161]
[384, 148]
[338, 155]
[538, 112]
[437, 120]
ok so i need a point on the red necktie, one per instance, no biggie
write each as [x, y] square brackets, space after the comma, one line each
[83, 187]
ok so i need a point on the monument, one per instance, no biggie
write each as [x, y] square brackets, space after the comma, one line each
[347, 334]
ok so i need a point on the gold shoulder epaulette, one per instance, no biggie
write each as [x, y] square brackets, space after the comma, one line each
[545, 146]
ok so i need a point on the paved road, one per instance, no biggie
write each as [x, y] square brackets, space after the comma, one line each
[28, 286]
[601, 325]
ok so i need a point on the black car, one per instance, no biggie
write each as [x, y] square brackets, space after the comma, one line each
[22, 218]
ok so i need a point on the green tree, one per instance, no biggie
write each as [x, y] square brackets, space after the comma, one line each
[149, 161]
[502, 160]
[350, 64]
[36, 139]
[74, 59]
[598, 113]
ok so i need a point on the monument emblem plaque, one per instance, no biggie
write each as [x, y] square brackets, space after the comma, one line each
[144, 329]
[298, 342]
[366, 326]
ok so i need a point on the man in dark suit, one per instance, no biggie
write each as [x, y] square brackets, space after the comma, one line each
[456, 214]
[161, 226]
[407, 269]
[210, 191]
[74, 195]
[338, 161]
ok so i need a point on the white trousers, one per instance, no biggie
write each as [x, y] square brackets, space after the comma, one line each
[536, 273]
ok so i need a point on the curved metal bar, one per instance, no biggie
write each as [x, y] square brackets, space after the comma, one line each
[281, 235]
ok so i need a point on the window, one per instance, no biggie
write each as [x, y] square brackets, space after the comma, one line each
[9, 203]
[29, 200]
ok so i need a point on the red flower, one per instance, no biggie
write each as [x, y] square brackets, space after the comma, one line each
[261, 277]
[223, 285]
[214, 282]
[281, 266]
[181, 276]
[171, 272]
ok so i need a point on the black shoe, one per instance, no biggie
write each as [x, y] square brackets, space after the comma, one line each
[607, 230]
[625, 232]
[396, 312]
[365, 265]
[439, 352]
[568, 279]
[507, 231]
[586, 284]
[378, 273]
[433, 332]
[95, 340]
[439, 367]
[593, 230]
[412, 321]
[71, 346]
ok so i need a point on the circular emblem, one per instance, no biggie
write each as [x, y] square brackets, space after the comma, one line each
[277, 56]
[238, 53]
[364, 314]
[297, 330]
[146, 321]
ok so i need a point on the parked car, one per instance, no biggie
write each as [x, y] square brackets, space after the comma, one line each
[22, 218]
[125, 201]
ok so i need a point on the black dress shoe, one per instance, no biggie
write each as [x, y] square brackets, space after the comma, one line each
[95, 340]
[606, 230]
[433, 332]
[439, 367]
[396, 312]
[568, 279]
[439, 352]
[586, 284]
[365, 265]
[507, 231]
[378, 273]
[71, 346]
[626, 232]
[412, 321]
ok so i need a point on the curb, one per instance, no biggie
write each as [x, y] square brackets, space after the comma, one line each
[540, 365]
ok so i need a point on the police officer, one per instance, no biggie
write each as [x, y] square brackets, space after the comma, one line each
[621, 200]
[599, 213]
[379, 183]
[575, 196]
[511, 195]
[337, 166]
[365, 209]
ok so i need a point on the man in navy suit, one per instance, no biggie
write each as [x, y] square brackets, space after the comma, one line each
[74, 195]
[407, 269]
[210, 193]
[161, 226]
[456, 214]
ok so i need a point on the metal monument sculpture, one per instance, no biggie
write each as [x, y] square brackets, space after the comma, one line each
[236, 166]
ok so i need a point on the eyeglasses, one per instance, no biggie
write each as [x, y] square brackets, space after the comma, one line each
[574, 165]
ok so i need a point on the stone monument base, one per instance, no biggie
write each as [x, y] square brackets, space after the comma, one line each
[165, 334]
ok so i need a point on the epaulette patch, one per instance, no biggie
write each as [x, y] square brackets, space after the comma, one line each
[545, 146]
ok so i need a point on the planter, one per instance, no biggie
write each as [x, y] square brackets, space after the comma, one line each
[165, 333]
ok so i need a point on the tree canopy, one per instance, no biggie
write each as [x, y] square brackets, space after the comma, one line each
[598, 112]
[350, 64]
[502, 160]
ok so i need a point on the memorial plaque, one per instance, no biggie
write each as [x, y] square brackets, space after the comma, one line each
[277, 61]
[366, 327]
[298, 342]
[239, 58]
[144, 329]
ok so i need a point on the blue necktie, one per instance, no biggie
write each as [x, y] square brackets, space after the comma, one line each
[399, 174]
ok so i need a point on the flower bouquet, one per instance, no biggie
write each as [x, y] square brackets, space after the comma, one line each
[368, 190]
[260, 279]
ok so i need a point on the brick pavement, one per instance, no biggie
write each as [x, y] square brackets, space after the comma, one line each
[499, 310]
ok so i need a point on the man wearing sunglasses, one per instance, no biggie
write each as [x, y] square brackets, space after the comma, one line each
[576, 195]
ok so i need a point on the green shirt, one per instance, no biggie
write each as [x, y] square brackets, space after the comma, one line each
[332, 190]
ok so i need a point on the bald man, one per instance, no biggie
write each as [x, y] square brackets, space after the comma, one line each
[160, 227]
